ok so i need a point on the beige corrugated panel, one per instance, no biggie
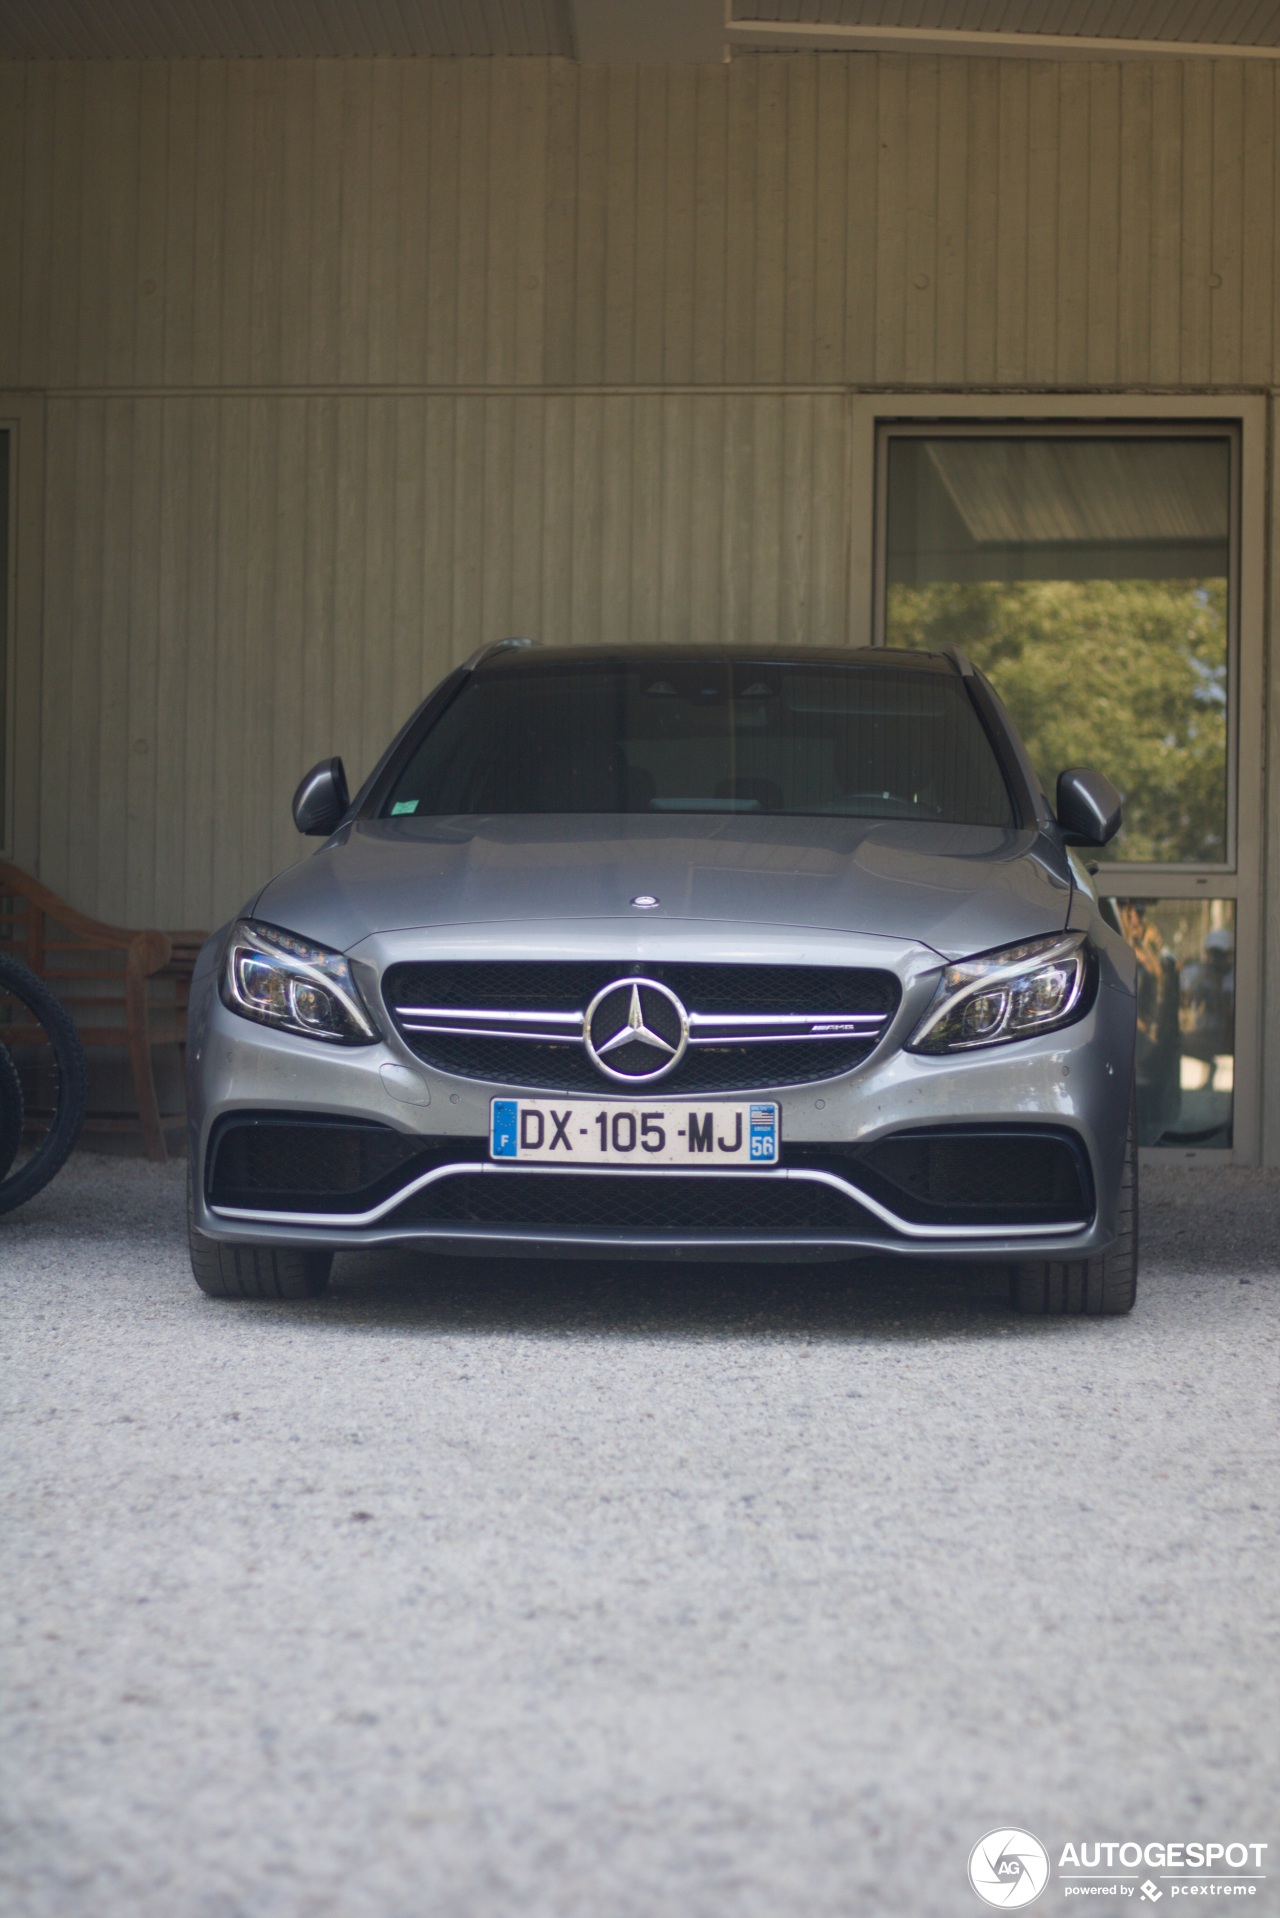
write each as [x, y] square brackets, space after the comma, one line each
[1240, 23]
[235, 587]
[281, 29]
[252, 292]
[791, 219]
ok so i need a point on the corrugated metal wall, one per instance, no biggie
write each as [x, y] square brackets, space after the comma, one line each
[262, 538]
[789, 219]
[238, 586]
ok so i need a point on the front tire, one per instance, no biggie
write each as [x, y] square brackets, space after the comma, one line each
[1102, 1286]
[226, 1271]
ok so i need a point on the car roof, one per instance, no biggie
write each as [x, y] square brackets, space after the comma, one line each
[531, 656]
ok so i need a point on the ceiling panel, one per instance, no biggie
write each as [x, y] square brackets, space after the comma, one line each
[281, 29]
[1243, 23]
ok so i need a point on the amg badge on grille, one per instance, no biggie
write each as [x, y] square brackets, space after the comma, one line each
[635, 1030]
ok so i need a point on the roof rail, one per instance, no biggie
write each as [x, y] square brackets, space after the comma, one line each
[495, 646]
[958, 659]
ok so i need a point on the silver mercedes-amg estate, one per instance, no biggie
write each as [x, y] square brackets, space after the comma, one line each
[679, 954]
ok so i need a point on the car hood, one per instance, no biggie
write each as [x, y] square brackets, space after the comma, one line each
[958, 889]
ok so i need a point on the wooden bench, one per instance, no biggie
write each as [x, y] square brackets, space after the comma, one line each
[124, 989]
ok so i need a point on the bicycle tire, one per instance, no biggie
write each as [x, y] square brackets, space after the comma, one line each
[11, 1110]
[19, 982]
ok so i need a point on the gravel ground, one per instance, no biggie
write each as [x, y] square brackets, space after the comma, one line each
[621, 1591]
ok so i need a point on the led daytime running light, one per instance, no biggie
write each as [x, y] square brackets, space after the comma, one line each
[279, 980]
[1014, 994]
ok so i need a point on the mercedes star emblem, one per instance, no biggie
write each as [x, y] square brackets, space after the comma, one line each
[635, 1030]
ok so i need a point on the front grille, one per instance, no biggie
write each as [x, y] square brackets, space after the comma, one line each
[647, 1205]
[518, 1024]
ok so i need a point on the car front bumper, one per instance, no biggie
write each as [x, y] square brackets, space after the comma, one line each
[1077, 1080]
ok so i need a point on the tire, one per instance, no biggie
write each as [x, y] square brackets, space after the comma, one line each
[1102, 1286]
[255, 1271]
[17, 982]
[10, 1112]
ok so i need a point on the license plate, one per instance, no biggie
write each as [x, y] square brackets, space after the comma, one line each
[623, 1132]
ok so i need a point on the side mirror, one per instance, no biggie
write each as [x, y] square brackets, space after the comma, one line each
[1089, 807]
[321, 801]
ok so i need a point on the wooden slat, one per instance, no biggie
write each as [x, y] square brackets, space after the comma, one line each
[1043, 177]
[1012, 227]
[891, 221]
[1073, 227]
[742, 140]
[208, 224]
[143, 346]
[610, 563]
[354, 232]
[1228, 230]
[1166, 223]
[769, 291]
[67, 216]
[1197, 222]
[591, 253]
[142, 803]
[1258, 221]
[830, 214]
[647, 344]
[708, 285]
[676, 269]
[951, 256]
[176, 291]
[13, 80]
[443, 214]
[526, 182]
[621, 183]
[1102, 360]
[120, 157]
[38, 224]
[1133, 348]
[800, 218]
[386, 184]
[920, 294]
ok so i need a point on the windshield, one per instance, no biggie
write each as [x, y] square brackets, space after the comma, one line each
[725, 736]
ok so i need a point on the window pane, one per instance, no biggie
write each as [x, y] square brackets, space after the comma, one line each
[1088, 577]
[709, 736]
[1186, 1016]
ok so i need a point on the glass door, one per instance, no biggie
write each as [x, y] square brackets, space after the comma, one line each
[1091, 572]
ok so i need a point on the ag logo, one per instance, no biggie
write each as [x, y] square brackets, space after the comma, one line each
[1008, 1868]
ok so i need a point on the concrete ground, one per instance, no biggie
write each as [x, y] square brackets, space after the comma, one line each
[625, 1592]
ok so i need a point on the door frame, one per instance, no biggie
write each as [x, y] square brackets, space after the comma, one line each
[1242, 879]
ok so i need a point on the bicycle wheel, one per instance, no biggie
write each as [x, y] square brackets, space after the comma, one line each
[44, 1047]
[10, 1112]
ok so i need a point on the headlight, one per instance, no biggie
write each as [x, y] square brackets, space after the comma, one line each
[283, 981]
[1008, 995]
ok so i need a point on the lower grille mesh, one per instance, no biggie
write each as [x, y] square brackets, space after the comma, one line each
[650, 1206]
[567, 1068]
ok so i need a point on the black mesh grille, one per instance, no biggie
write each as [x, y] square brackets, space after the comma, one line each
[1026, 1175]
[567, 1068]
[287, 1163]
[569, 986]
[647, 1206]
